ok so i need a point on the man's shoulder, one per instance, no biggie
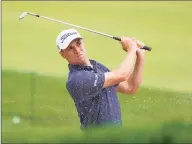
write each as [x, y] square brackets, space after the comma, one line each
[74, 76]
[102, 66]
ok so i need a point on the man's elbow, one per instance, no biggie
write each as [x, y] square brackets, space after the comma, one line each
[123, 75]
[133, 90]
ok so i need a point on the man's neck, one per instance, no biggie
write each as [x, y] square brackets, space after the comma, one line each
[88, 63]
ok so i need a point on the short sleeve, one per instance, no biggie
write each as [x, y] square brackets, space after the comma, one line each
[105, 69]
[85, 84]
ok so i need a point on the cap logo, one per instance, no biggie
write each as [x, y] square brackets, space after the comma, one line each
[67, 35]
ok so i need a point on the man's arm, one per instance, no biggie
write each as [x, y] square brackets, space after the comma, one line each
[125, 69]
[131, 85]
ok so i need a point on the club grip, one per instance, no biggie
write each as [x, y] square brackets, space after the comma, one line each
[116, 38]
[144, 47]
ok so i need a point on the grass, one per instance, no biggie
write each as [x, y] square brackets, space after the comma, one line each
[34, 75]
[165, 26]
[52, 113]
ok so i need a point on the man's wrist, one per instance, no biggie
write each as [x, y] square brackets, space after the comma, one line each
[140, 53]
[133, 50]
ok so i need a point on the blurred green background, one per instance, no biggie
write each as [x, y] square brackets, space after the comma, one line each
[34, 74]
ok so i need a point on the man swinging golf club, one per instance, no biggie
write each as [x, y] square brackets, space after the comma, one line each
[92, 86]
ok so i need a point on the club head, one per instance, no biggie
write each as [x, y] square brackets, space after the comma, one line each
[22, 15]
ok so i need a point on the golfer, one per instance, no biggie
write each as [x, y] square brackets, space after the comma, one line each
[92, 86]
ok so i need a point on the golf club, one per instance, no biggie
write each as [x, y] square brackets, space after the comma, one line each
[44, 17]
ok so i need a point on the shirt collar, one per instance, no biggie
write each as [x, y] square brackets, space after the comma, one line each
[73, 67]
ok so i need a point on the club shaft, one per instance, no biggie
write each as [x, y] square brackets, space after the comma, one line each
[100, 33]
[52, 19]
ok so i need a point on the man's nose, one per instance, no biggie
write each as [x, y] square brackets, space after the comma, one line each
[76, 49]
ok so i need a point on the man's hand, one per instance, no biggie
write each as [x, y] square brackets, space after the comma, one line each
[140, 52]
[140, 44]
[128, 44]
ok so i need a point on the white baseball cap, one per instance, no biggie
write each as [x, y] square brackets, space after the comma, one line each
[66, 37]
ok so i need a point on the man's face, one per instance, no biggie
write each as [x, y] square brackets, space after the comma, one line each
[75, 53]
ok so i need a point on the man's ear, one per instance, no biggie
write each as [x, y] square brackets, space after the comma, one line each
[62, 53]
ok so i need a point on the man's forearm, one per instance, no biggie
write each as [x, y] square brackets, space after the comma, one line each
[128, 64]
[136, 77]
